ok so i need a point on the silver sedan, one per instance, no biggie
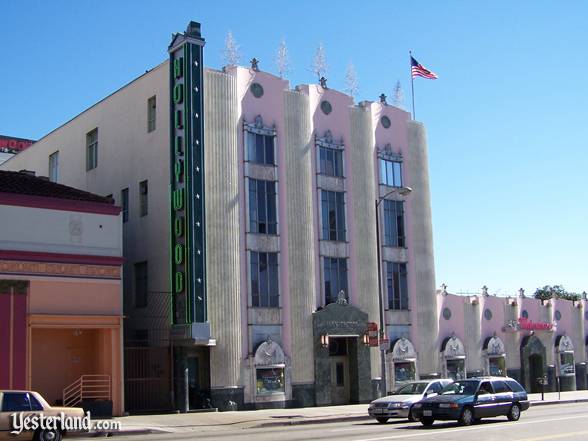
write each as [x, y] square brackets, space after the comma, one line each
[399, 404]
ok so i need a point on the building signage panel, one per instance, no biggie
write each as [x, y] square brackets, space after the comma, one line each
[187, 222]
[525, 324]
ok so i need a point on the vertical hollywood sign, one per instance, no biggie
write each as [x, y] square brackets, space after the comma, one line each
[187, 178]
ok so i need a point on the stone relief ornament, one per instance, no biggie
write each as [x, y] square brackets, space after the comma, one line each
[496, 346]
[565, 344]
[269, 353]
[454, 347]
[403, 349]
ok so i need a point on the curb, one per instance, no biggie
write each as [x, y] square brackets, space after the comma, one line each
[119, 433]
[569, 401]
[319, 420]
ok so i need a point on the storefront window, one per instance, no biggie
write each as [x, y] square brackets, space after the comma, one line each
[404, 371]
[566, 363]
[456, 369]
[270, 381]
[497, 366]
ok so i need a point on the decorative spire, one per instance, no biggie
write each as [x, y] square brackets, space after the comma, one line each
[485, 291]
[255, 64]
[521, 293]
[323, 82]
[444, 289]
[383, 99]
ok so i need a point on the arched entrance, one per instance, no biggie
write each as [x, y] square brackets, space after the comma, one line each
[342, 371]
[533, 363]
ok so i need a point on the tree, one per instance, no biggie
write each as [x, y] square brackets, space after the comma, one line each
[555, 291]
[283, 60]
[231, 54]
[319, 62]
[351, 82]
[398, 96]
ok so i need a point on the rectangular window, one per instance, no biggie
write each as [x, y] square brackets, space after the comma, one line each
[260, 148]
[141, 292]
[333, 215]
[390, 173]
[92, 149]
[54, 166]
[151, 113]
[262, 207]
[143, 198]
[330, 161]
[394, 223]
[397, 285]
[335, 270]
[265, 291]
[124, 202]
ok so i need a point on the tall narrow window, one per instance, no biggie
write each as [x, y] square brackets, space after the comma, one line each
[124, 202]
[335, 273]
[262, 207]
[333, 215]
[141, 290]
[54, 166]
[260, 148]
[151, 114]
[394, 223]
[92, 149]
[330, 161]
[390, 173]
[265, 290]
[143, 198]
[397, 285]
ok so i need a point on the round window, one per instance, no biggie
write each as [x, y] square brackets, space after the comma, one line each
[446, 313]
[385, 122]
[326, 107]
[525, 314]
[256, 90]
[487, 314]
[557, 315]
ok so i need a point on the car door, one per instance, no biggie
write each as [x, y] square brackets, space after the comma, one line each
[504, 397]
[14, 403]
[484, 403]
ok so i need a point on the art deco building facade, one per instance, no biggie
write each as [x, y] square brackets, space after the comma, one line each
[250, 234]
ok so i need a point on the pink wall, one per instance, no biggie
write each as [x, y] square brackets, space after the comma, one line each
[456, 322]
[75, 297]
[496, 305]
[567, 309]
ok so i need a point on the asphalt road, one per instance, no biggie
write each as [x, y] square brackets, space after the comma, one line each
[566, 422]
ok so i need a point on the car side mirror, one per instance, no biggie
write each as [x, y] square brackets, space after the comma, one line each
[426, 394]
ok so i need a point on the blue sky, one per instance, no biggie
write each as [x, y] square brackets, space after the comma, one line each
[506, 120]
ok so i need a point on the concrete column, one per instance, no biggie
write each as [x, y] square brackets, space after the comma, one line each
[473, 338]
[222, 236]
[361, 154]
[423, 264]
[301, 242]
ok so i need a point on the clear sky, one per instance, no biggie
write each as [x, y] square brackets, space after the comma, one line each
[507, 120]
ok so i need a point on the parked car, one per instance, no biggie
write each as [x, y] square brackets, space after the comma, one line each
[29, 404]
[468, 401]
[399, 404]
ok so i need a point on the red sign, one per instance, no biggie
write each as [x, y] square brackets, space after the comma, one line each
[14, 145]
[372, 331]
[529, 325]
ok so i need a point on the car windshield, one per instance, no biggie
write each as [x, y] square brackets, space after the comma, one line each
[411, 389]
[461, 388]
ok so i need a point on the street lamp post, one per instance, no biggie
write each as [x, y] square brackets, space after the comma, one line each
[403, 191]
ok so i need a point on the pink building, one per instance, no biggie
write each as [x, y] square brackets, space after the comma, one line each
[60, 293]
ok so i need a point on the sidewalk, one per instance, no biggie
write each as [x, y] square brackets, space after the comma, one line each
[178, 423]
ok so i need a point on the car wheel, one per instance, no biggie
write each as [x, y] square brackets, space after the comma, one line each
[411, 417]
[427, 421]
[48, 435]
[467, 417]
[382, 420]
[514, 413]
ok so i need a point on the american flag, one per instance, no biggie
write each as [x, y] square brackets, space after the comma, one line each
[419, 71]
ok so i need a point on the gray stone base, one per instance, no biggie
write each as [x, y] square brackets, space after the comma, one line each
[552, 387]
[303, 395]
[567, 383]
[581, 376]
[270, 405]
[230, 398]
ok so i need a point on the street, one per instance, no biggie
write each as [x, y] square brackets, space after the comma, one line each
[542, 423]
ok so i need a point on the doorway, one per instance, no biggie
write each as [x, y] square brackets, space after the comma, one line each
[339, 361]
[536, 370]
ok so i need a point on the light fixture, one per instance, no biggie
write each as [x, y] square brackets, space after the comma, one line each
[325, 340]
[366, 339]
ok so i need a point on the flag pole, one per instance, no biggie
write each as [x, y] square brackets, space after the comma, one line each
[412, 84]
